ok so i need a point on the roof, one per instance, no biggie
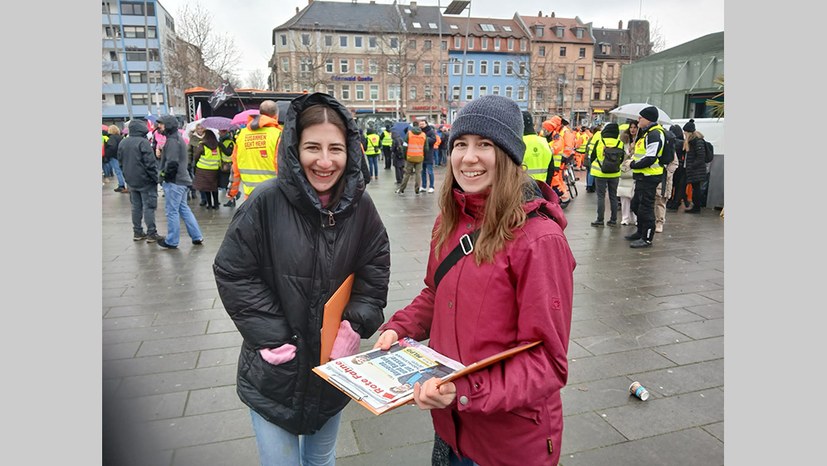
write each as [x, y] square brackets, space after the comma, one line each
[346, 16]
[497, 27]
[569, 25]
[706, 44]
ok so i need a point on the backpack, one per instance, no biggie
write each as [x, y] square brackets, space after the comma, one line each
[710, 151]
[668, 154]
[612, 157]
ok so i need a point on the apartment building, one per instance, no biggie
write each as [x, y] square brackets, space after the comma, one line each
[134, 35]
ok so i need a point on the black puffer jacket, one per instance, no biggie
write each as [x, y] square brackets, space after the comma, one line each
[282, 258]
[695, 163]
[137, 159]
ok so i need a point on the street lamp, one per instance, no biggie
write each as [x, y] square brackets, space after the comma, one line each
[454, 8]
[573, 88]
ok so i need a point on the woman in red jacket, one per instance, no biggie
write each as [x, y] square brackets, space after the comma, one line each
[515, 287]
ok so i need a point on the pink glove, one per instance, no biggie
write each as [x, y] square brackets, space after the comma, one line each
[346, 342]
[280, 355]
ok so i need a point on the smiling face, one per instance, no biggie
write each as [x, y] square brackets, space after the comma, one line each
[473, 163]
[323, 155]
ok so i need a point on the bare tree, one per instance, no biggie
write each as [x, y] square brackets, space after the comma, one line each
[313, 52]
[201, 57]
[657, 40]
[256, 80]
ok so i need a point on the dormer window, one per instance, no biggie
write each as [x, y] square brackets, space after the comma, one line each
[559, 31]
[487, 27]
[539, 30]
[579, 33]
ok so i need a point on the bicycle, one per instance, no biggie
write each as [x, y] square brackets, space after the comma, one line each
[569, 177]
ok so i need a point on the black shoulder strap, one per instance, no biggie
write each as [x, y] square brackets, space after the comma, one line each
[464, 248]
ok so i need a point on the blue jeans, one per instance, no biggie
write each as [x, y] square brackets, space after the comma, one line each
[116, 167]
[107, 169]
[373, 164]
[144, 202]
[427, 172]
[277, 447]
[175, 204]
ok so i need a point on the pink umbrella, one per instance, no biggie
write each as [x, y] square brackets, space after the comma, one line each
[241, 118]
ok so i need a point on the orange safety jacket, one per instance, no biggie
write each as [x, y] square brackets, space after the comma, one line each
[416, 147]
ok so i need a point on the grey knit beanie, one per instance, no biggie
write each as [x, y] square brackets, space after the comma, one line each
[494, 117]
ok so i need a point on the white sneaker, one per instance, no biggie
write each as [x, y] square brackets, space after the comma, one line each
[430, 190]
[422, 190]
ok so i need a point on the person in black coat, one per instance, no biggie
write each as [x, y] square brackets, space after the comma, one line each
[110, 157]
[140, 170]
[695, 148]
[290, 245]
[679, 178]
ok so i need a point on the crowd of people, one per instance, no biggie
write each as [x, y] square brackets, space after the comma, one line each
[501, 205]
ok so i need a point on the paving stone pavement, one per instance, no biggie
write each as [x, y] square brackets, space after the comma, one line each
[654, 315]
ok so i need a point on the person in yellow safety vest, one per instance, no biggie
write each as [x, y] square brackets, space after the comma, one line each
[372, 151]
[606, 178]
[226, 145]
[581, 139]
[207, 166]
[552, 127]
[537, 158]
[255, 156]
[386, 139]
[647, 173]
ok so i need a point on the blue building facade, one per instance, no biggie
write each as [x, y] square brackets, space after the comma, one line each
[487, 73]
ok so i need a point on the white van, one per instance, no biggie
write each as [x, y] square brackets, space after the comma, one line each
[713, 131]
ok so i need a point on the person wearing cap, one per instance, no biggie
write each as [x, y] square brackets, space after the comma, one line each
[606, 181]
[515, 286]
[647, 173]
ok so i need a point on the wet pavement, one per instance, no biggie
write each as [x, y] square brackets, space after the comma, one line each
[653, 315]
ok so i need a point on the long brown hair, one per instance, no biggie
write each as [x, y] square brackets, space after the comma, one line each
[318, 114]
[503, 209]
[691, 137]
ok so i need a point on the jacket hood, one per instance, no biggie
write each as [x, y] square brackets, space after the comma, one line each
[137, 128]
[291, 177]
[547, 203]
[170, 124]
[259, 121]
[416, 129]
[552, 124]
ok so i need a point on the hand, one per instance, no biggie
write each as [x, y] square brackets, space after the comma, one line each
[430, 396]
[280, 355]
[386, 339]
[346, 342]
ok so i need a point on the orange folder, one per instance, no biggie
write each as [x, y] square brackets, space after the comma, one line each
[333, 309]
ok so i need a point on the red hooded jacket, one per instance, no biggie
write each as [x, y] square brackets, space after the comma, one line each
[510, 413]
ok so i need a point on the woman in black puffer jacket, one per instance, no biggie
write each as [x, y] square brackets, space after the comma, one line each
[289, 247]
[695, 149]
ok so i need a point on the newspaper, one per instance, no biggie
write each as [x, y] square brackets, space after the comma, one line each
[382, 380]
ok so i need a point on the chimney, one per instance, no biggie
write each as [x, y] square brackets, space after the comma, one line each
[552, 14]
[413, 7]
[620, 24]
[297, 10]
[540, 14]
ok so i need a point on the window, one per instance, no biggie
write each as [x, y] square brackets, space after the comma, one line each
[373, 66]
[496, 43]
[283, 38]
[457, 68]
[444, 45]
[112, 31]
[605, 49]
[622, 49]
[394, 42]
[394, 92]
[487, 27]
[359, 66]
[523, 45]
[285, 64]
[580, 73]
[542, 51]
[328, 65]
[345, 91]
[428, 94]
[331, 89]
[443, 68]
[539, 95]
[428, 68]
[559, 31]
[119, 100]
[609, 93]
[343, 66]
[137, 77]
[417, 25]
[427, 44]
[509, 91]
[113, 56]
[140, 55]
[495, 90]
[469, 92]
[496, 70]
[158, 98]
[582, 52]
[509, 68]
[611, 72]
[469, 67]
[306, 39]
[455, 93]
[507, 28]
[433, 26]
[412, 93]
[140, 99]
[510, 44]
[539, 30]
[116, 78]
[374, 92]
[328, 40]
[483, 90]
[483, 67]
[103, 97]
[372, 42]
[411, 69]
[305, 66]
[393, 67]
[578, 33]
[470, 42]
[562, 51]
[137, 9]
[521, 93]
[457, 42]
[484, 43]
[454, 26]
[578, 94]
[412, 44]
[541, 70]
[360, 92]
[342, 41]
[357, 41]
[596, 94]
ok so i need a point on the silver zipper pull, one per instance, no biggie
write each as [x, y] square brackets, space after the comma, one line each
[330, 221]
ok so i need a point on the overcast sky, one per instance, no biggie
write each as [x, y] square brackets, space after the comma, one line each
[250, 23]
